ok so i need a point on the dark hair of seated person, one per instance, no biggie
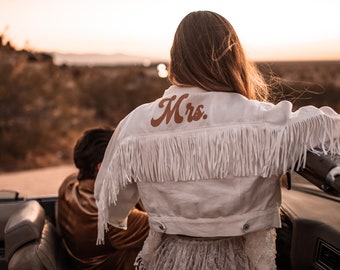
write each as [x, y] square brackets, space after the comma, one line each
[89, 151]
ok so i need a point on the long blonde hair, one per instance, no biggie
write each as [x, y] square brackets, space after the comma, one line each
[207, 53]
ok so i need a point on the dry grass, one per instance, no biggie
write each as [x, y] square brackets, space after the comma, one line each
[44, 108]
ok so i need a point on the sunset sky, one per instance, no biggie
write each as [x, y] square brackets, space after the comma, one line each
[269, 30]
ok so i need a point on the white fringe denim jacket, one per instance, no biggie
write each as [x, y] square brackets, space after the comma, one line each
[207, 164]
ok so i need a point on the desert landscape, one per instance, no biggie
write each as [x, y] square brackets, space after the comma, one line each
[45, 106]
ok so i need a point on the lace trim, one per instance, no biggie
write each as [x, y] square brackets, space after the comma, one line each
[255, 251]
[260, 248]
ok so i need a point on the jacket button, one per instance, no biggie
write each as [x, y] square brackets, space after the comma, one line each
[245, 227]
[161, 227]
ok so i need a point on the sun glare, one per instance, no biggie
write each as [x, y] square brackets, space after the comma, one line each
[162, 71]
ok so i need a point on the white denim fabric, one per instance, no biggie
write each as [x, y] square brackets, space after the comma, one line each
[207, 164]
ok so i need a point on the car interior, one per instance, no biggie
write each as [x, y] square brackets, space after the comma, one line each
[308, 239]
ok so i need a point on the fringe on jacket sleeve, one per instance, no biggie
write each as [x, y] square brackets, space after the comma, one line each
[256, 149]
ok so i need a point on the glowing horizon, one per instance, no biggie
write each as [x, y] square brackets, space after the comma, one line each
[290, 30]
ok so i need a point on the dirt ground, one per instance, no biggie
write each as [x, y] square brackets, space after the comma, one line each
[36, 183]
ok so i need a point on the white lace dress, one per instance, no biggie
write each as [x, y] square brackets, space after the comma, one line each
[172, 252]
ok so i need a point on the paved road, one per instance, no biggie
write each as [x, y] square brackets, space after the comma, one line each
[36, 183]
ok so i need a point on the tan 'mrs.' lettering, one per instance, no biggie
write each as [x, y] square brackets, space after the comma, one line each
[172, 110]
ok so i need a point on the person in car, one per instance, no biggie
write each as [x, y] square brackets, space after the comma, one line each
[78, 213]
[211, 151]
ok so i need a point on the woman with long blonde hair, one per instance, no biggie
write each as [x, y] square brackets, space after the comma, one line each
[206, 157]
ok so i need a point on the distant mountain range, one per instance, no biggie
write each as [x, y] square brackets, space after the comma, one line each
[103, 59]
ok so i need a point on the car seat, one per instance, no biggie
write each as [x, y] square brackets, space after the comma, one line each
[31, 240]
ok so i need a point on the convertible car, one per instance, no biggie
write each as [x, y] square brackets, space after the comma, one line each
[309, 237]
